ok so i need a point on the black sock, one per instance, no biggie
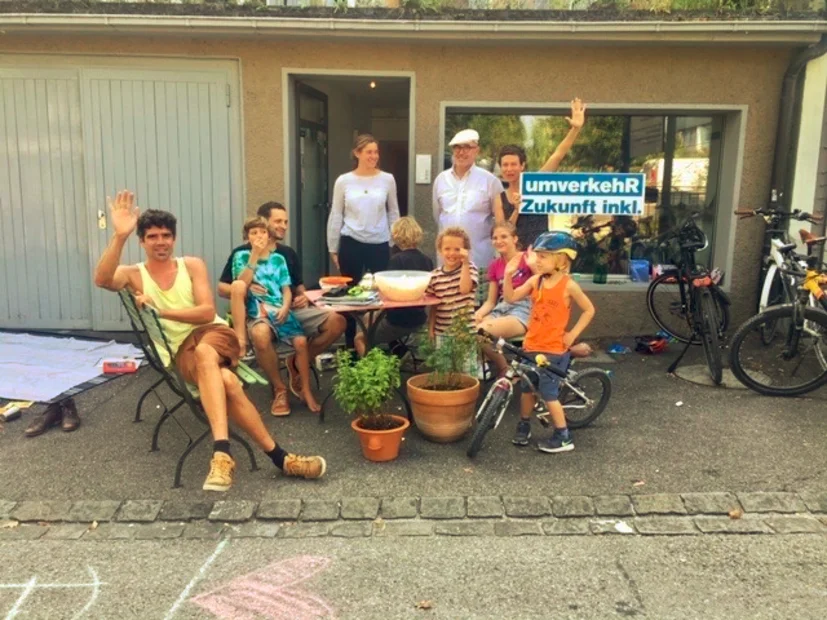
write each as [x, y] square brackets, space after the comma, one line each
[277, 456]
[222, 446]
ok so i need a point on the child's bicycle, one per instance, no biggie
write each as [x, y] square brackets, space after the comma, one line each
[584, 394]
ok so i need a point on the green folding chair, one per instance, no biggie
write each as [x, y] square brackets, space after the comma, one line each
[149, 355]
[155, 341]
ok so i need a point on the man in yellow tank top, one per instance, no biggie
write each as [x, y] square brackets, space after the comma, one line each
[205, 348]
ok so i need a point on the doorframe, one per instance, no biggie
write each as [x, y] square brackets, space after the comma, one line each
[297, 122]
[289, 75]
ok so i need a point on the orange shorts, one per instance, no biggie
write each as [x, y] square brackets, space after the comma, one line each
[219, 337]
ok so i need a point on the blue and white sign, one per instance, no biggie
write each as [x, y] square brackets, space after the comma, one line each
[582, 193]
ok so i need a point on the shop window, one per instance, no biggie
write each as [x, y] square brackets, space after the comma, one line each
[680, 156]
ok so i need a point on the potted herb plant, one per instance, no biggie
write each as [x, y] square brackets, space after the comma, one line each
[362, 389]
[444, 400]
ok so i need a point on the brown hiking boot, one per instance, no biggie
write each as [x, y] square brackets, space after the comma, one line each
[53, 416]
[220, 477]
[71, 419]
[304, 466]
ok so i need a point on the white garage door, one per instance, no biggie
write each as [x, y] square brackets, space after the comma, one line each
[74, 136]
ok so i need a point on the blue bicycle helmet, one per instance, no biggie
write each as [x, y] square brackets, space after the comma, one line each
[556, 241]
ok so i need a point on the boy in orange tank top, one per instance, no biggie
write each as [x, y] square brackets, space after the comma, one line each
[552, 290]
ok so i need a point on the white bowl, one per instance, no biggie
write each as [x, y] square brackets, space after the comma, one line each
[402, 285]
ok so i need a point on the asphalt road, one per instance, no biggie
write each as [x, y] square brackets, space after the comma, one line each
[717, 440]
[692, 577]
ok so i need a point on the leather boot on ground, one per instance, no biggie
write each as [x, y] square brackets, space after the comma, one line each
[71, 419]
[53, 416]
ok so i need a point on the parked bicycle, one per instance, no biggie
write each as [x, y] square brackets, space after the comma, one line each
[686, 300]
[793, 361]
[584, 394]
[775, 289]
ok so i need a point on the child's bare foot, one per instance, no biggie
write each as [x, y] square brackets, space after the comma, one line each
[310, 401]
[581, 349]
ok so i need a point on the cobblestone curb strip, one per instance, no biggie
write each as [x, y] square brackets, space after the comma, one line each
[355, 517]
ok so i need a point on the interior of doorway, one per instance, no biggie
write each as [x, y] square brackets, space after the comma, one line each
[328, 112]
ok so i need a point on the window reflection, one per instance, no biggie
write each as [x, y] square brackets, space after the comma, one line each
[679, 156]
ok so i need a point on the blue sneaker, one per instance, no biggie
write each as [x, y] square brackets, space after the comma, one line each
[523, 433]
[560, 441]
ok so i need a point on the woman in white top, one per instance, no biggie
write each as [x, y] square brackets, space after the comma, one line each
[363, 211]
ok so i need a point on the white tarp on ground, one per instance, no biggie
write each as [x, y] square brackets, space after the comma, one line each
[40, 368]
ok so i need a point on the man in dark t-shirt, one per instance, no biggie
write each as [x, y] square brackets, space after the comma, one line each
[322, 327]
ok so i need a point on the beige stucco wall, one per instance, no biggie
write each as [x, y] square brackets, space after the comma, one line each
[635, 75]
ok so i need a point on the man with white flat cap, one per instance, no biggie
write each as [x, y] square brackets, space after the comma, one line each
[464, 196]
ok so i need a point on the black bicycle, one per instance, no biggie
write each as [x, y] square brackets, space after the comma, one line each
[793, 361]
[584, 394]
[686, 300]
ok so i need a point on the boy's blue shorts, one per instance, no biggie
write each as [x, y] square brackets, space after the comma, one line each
[549, 384]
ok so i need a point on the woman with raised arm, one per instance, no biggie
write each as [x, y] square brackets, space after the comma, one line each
[512, 160]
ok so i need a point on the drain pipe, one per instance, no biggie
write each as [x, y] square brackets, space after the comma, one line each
[790, 108]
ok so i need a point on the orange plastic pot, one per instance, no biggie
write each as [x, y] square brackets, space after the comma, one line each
[381, 445]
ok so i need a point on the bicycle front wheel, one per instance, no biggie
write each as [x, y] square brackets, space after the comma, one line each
[709, 335]
[585, 396]
[495, 402]
[774, 294]
[668, 309]
[790, 365]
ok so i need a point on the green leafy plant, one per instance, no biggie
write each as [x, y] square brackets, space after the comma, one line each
[450, 357]
[363, 388]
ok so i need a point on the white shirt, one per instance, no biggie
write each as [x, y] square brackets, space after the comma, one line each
[468, 202]
[364, 208]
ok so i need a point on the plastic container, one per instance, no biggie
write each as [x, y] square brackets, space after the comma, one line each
[639, 270]
[618, 349]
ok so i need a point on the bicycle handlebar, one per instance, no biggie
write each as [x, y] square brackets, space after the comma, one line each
[795, 214]
[502, 344]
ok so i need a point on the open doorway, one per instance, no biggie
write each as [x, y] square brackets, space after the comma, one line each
[326, 111]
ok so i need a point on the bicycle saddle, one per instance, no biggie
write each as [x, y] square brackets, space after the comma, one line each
[809, 238]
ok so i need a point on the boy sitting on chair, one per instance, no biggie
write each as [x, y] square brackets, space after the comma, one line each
[267, 315]
[204, 347]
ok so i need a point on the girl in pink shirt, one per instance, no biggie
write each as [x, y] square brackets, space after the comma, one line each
[497, 316]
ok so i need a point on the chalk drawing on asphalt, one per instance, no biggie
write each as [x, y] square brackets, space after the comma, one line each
[33, 584]
[198, 576]
[272, 592]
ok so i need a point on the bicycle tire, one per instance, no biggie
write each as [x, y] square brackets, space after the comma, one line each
[662, 283]
[776, 313]
[578, 379]
[775, 295]
[709, 336]
[665, 282]
[721, 308]
[490, 409]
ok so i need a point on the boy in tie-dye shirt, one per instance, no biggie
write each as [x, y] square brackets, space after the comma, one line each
[268, 298]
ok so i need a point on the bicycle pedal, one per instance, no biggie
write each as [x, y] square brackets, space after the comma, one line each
[543, 419]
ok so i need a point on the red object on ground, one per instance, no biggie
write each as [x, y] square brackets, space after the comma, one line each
[119, 368]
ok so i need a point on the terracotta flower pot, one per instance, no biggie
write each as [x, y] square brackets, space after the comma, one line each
[381, 445]
[443, 416]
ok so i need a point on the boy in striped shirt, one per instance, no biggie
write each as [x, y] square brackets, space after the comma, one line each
[455, 284]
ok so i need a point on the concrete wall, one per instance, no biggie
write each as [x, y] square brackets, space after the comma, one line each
[633, 75]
